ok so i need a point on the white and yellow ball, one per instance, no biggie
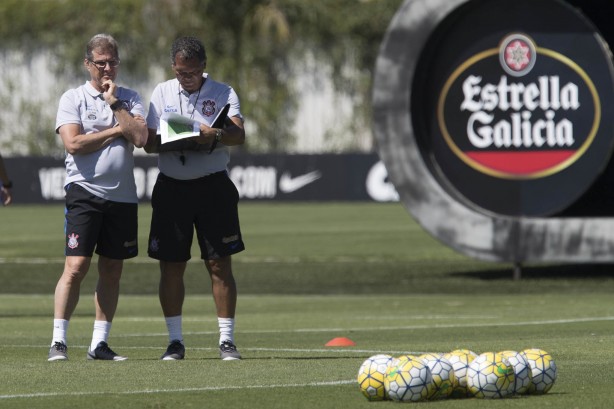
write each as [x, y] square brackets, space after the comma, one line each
[490, 376]
[522, 371]
[460, 360]
[408, 380]
[371, 377]
[442, 371]
[543, 370]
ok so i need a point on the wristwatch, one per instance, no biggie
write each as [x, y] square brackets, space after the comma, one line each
[8, 185]
[218, 136]
[116, 105]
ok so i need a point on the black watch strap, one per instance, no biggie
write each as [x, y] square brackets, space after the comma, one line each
[116, 105]
[8, 184]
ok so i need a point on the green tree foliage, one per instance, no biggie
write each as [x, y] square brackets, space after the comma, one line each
[255, 45]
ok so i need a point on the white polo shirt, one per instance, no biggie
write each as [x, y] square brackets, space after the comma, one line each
[202, 106]
[108, 172]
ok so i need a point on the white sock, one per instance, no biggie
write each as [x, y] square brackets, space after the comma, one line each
[60, 328]
[101, 333]
[173, 324]
[227, 329]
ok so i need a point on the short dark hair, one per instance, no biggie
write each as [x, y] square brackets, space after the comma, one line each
[188, 48]
[105, 42]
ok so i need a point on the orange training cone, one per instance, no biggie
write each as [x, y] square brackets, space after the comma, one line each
[340, 342]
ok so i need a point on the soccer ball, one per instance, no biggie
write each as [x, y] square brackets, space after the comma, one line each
[543, 370]
[490, 375]
[460, 360]
[442, 371]
[408, 379]
[371, 376]
[522, 371]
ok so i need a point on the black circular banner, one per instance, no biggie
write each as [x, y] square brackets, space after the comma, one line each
[510, 101]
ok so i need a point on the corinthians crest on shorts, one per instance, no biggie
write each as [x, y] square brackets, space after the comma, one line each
[73, 241]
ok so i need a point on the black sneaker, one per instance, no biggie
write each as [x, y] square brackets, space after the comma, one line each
[103, 352]
[58, 352]
[228, 351]
[174, 352]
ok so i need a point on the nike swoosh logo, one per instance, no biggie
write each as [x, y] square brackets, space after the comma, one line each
[289, 184]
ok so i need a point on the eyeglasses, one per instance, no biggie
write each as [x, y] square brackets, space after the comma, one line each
[101, 65]
[190, 74]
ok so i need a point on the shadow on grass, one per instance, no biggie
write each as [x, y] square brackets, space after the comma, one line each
[550, 272]
[337, 278]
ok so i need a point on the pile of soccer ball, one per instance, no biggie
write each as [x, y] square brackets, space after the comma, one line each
[457, 374]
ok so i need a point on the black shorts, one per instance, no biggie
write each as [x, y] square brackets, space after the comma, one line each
[92, 222]
[209, 204]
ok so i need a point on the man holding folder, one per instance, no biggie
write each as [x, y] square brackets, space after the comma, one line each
[194, 191]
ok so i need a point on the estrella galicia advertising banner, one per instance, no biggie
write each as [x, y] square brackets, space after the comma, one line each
[272, 177]
[515, 115]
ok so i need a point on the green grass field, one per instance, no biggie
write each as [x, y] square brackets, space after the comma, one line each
[311, 272]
